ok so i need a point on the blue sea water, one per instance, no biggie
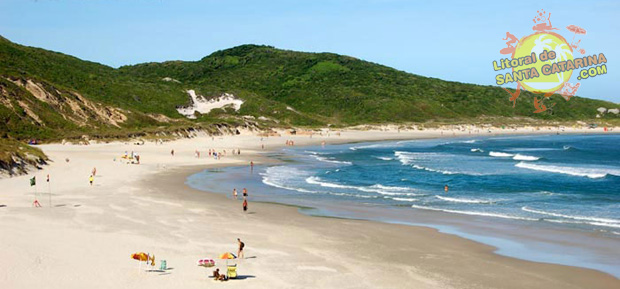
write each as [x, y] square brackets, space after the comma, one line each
[561, 181]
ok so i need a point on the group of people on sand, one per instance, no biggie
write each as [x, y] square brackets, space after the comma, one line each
[217, 276]
[245, 198]
[218, 155]
[212, 153]
[133, 156]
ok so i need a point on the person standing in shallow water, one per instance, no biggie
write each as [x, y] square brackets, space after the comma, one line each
[235, 194]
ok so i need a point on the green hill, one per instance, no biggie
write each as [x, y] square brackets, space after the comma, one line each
[49, 95]
[337, 89]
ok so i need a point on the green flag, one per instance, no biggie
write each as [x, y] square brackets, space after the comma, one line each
[33, 181]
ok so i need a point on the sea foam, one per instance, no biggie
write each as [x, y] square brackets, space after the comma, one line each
[520, 157]
[376, 188]
[464, 200]
[593, 173]
[596, 221]
[474, 213]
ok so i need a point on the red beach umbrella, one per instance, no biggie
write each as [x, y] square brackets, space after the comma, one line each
[576, 30]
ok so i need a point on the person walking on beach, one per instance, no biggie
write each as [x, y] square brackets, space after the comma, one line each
[245, 204]
[240, 254]
[235, 194]
[91, 179]
[172, 152]
[446, 188]
[94, 171]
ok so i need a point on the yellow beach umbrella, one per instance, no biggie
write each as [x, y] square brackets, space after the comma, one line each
[228, 255]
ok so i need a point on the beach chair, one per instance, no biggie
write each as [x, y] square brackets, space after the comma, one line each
[232, 271]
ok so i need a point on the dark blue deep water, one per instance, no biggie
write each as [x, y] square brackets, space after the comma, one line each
[562, 179]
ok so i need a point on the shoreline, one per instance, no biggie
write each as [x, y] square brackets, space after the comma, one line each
[536, 242]
[397, 235]
[148, 207]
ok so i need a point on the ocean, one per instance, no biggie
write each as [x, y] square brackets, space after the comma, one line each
[546, 187]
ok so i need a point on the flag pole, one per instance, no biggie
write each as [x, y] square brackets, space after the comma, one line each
[35, 190]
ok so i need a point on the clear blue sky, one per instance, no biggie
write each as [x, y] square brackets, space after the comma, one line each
[452, 40]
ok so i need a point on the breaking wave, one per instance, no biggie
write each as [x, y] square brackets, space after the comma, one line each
[500, 154]
[329, 160]
[589, 220]
[385, 158]
[434, 170]
[469, 201]
[377, 188]
[520, 157]
[473, 213]
[573, 171]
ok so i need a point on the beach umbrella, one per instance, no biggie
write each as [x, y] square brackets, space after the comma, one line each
[576, 30]
[228, 255]
[143, 257]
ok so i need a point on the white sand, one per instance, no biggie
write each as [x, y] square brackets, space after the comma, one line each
[202, 105]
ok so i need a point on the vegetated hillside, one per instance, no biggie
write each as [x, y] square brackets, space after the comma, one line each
[52, 96]
[17, 158]
[49, 95]
[331, 88]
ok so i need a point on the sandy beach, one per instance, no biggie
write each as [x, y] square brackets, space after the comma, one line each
[86, 237]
